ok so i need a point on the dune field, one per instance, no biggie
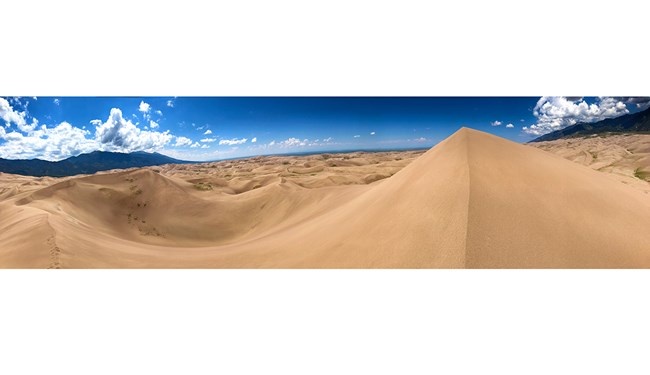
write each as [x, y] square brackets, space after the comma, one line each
[473, 201]
[624, 157]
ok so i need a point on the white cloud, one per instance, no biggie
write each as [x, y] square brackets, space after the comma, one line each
[170, 103]
[557, 112]
[182, 141]
[357, 136]
[496, 123]
[293, 142]
[372, 133]
[158, 112]
[144, 107]
[205, 146]
[643, 106]
[56, 101]
[12, 116]
[510, 126]
[641, 102]
[195, 145]
[29, 128]
[207, 132]
[421, 139]
[254, 140]
[119, 134]
[153, 124]
[327, 139]
[65, 140]
[57, 143]
[208, 140]
[272, 143]
[233, 141]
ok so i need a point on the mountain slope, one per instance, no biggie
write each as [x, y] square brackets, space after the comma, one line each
[632, 123]
[85, 164]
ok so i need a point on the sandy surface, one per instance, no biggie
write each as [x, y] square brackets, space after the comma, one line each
[473, 201]
[625, 158]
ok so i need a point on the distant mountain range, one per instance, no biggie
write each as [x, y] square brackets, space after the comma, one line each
[633, 123]
[85, 163]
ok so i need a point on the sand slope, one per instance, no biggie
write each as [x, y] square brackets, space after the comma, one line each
[473, 201]
[623, 157]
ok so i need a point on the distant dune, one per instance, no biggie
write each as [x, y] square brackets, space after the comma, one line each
[473, 201]
[623, 157]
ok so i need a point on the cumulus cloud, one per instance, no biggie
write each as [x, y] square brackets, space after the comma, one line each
[208, 140]
[233, 141]
[195, 145]
[56, 143]
[119, 134]
[205, 146]
[182, 141]
[641, 102]
[496, 123]
[207, 132]
[510, 126]
[170, 103]
[158, 112]
[421, 139]
[56, 101]
[372, 133]
[254, 140]
[557, 112]
[64, 140]
[153, 124]
[13, 116]
[357, 136]
[144, 107]
[327, 139]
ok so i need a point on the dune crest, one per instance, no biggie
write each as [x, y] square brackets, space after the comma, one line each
[473, 201]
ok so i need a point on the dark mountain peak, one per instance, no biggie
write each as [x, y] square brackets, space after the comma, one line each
[631, 123]
[89, 163]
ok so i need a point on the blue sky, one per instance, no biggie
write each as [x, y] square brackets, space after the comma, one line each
[211, 128]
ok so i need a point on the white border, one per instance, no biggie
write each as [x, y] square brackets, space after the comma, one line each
[323, 322]
[284, 47]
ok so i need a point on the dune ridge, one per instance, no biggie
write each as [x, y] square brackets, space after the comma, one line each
[472, 201]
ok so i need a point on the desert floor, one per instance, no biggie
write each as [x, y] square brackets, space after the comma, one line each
[473, 201]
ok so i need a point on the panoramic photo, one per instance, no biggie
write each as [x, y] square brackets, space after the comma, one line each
[324, 182]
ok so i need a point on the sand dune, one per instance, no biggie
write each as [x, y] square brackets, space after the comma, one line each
[472, 201]
[624, 157]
